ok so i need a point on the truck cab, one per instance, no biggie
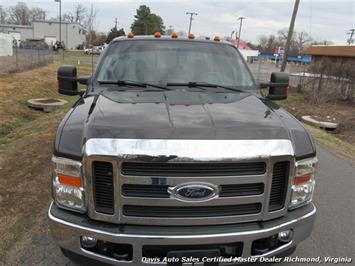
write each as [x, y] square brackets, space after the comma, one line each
[174, 154]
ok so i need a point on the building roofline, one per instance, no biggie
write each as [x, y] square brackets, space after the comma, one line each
[16, 26]
[57, 22]
[331, 50]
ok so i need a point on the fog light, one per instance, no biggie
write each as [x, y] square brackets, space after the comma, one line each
[285, 236]
[88, 241]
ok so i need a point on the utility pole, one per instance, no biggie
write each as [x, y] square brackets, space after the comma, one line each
[289, 35]
[90, 26]
[232, 34]
[351, 40]
[191, 15]
[240, 29]
[60, 19]
[116, 23]
[1, 16]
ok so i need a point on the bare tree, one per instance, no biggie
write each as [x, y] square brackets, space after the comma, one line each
[268, 43]
[37, 13]
[302, 40]
[298, 42]
[21, 14]
[78, 15]
[324, 42]
[89, 23]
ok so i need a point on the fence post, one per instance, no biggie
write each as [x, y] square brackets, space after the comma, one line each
[16, 58]
[31, 52]
[258, 71]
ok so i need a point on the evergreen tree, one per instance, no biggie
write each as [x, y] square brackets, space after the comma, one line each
[147, 23]
[114, 33]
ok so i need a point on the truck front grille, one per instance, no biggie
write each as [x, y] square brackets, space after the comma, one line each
[103, 187]
[196, 211]
[192, 169]
[132, 192]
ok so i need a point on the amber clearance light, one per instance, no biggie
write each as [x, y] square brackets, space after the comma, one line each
[174, 35]
[157, 34]
[301, 179]
[217, 38]
[68, 180]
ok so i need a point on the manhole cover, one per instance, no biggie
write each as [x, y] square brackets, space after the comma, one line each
[45, 104]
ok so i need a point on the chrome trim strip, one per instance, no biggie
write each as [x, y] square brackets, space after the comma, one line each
[75, 226]
[202, 150]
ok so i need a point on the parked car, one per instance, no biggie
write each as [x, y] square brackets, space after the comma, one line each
[38, 44]
[94, 50]
[173, 153]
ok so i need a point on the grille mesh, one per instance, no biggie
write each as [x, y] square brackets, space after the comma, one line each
[279, 185]
[103, 187]
[148, 191]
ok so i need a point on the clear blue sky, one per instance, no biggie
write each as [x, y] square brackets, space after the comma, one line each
[323, 19]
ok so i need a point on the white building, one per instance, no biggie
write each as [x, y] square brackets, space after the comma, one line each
[73, 34]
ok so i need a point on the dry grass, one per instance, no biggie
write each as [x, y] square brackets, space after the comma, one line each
[343, 142]
[26, 142]
[338, 111]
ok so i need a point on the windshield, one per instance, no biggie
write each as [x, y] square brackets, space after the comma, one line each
[163, 62]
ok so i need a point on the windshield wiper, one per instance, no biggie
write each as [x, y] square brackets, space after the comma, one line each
[132, 83]
[204, 84]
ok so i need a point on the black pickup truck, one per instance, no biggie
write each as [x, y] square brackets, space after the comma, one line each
[174, 154]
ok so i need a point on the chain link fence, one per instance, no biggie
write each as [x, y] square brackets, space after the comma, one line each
[262, 68]
[24, 59]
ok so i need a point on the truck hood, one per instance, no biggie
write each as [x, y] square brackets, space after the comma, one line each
[183, 115]
[174, 115]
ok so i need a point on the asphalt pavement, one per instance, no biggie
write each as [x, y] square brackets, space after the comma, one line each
[333, 235]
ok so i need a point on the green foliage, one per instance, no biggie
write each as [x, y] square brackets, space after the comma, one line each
[147, 23]
[115, 33]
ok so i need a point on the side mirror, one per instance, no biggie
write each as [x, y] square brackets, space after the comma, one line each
[278, 87]
[67, 80]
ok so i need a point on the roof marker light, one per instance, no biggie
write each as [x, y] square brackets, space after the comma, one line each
[174, 35]
[191, 36]
[217, 38]
[157, 34]
[130, 35]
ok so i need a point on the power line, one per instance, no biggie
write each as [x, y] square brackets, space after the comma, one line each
[191, 15]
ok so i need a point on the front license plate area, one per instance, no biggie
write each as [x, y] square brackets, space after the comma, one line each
[179, 257]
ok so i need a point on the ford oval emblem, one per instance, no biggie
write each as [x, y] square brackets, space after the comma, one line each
[194, 191]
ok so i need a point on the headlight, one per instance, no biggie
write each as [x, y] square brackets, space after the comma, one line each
[303, 182]
[68, 191]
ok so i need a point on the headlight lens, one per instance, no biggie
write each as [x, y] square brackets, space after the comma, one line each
[303, 182]
[68, 191]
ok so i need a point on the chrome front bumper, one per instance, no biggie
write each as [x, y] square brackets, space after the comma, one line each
[67, 228]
